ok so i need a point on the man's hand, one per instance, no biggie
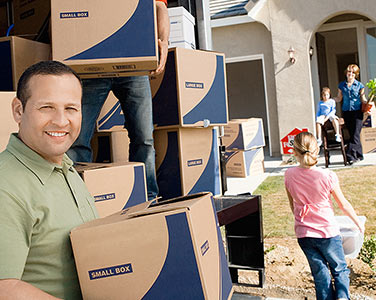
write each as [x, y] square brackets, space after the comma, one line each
[163, 26]
[163, 51]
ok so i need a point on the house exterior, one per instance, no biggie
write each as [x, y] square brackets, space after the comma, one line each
[280, 53]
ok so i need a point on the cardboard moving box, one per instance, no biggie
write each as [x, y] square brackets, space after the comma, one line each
[7, 123]
[192, 90]
[16, 55]
[244, 134]
[187, 161]
[167, 251]
[30, 17]
[114, 186]
[242, 163]
[110, 147]
[368, 139]
[105, 39]
[111, 117]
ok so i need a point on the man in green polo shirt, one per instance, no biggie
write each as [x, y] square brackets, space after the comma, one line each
[41, 195]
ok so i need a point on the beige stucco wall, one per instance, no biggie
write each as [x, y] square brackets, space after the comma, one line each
[292, 23]
[252, 39]
[279, 25]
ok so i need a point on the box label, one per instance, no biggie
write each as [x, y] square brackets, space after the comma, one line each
[104, 197]
[194, 162]
[110, 271]
[74, 14]
[194, 85]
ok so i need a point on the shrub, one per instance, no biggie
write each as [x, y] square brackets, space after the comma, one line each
[368, 252]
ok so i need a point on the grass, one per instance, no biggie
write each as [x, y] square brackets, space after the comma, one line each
[358, 186]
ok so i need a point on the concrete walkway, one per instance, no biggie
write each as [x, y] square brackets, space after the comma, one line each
[275, 166]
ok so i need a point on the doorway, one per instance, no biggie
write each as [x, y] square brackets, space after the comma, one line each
[246, 88]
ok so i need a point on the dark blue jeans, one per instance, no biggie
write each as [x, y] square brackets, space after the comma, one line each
[325, 256]
[136, 102]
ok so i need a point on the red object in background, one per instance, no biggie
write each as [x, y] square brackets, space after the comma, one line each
[288, 140]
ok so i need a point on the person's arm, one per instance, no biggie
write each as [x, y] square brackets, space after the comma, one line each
[291, 200]
[346, 207]
[339, 96]
[14, 289]
[163, 27]
[363, 97]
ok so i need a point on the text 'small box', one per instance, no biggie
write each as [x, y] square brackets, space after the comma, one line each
[16, 55]
[114, 186]
[187, 161]
[192, 90]
[243, 163]
[7, 123]
[166, 251]
[105, 39]
[244, 134]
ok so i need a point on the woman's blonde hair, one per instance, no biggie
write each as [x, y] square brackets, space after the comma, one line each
[306, 148]
[354, 68]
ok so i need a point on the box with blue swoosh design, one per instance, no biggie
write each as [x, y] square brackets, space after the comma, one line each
[114, 186]
[192, 90]
[172, 250]
[105, 39]
[187, 161]
[244, 134]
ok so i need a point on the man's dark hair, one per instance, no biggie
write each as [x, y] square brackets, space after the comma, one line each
[49, 67]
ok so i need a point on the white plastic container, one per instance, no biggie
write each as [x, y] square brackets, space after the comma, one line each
[352, 238]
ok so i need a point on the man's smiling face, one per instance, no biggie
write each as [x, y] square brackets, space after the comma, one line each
[51, 119]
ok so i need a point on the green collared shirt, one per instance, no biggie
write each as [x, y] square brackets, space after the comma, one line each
[40, 202]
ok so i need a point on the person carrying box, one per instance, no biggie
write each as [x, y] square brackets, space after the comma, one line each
[135, 98]
[42, 197]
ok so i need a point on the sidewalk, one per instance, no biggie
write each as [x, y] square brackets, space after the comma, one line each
[274, 167]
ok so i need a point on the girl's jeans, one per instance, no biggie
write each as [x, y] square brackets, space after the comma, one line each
[325, 256]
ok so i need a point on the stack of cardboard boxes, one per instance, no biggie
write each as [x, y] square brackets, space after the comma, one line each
[189, 101]
[244, 142]
[98, 41]
[16, 54]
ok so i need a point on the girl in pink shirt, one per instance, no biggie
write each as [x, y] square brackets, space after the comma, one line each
[309, 190]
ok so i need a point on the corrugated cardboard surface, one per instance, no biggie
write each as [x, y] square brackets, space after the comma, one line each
[192, 90]
[244, 134]
[187, 161]
[30, 16]
[368, 139]
[7, 123]
[114, 186]
[105, 39]
[242, 163]
[16, 55]
[171, 251]
[111, 117]
[112, 146]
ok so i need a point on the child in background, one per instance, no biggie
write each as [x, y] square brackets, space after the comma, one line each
[309, 191]
[326, 110]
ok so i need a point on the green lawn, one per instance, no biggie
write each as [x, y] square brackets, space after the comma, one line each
[358, 186]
